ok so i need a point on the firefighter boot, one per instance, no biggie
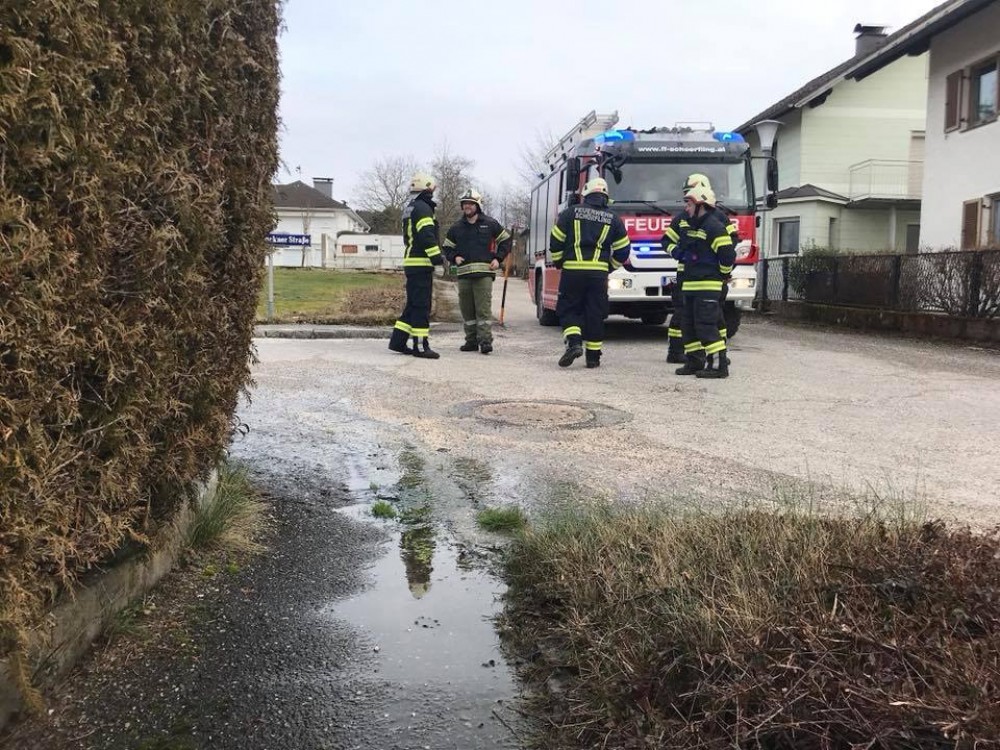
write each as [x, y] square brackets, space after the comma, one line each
[485, 348]
[469, 346]
[692, 366]
[720, 370]
[675, 353]
[426, 352]
[593, 360]
[573, 352]
[397, 342]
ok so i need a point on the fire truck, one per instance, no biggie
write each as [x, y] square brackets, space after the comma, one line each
[646, 171]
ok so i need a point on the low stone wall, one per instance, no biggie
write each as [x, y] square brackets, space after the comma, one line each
[79, 618]
[929, 325]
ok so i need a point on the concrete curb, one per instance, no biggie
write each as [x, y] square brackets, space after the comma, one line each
[80, 617]
[309, 331]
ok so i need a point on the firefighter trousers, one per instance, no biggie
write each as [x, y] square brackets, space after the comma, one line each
[415, 320]
[675, 328]
[475, 300]
[701, 317]
[582, 308]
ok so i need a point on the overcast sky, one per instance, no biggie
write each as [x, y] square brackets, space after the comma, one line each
[369, 78]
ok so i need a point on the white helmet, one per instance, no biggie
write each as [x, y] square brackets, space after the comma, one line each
[421, 182]
[471, 196]
[596, 185]
[701, 195]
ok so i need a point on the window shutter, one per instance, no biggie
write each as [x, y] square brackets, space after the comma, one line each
[970, 225]
[952, 102]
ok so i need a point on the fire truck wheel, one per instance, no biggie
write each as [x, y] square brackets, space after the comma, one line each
[733, 316]
[545, 316]
[654, 319]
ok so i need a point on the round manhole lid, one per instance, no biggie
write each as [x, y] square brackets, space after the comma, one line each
[543, 413]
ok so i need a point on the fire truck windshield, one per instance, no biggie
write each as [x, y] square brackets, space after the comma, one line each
[662, 182]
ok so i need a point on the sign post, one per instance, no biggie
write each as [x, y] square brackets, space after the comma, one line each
[275, 240]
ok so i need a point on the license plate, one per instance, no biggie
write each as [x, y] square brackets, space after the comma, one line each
[666, 280]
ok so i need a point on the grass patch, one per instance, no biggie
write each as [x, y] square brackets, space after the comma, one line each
[232, 519]
[502, 520]
[383, 509]
[750, 629]
[313, 295]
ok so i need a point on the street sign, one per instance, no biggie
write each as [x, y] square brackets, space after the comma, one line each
[289, 240]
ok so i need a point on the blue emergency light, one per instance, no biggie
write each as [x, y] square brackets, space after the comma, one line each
[728, 137]
[614, 136]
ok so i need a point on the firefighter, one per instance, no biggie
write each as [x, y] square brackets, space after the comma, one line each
[675, 333]
[476, 244]
[420, 235]
[707, 252]
[587, 242]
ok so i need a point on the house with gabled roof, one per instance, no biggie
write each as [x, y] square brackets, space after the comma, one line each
[313, 211]
[850, 157]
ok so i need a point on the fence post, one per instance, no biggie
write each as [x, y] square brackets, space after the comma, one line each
[975, 284]
[764, 288]
[897, 273]
[784, 279]
[835, 280]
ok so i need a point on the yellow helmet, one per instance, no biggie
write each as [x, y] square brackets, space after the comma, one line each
[697, 180]
[472, 196]
[596, 185]
[421, 182]
[700, 194]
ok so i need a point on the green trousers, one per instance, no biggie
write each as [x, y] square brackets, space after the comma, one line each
[475, 300]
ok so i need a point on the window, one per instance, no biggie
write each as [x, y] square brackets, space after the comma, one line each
[833, 235]
[371, 248]
[994, 238]
[984, 93]
[349, 249]
[952, 101]
[912, 238]
[788, 236]
[970, 224]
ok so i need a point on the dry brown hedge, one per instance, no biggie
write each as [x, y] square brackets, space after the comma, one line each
[137, 146]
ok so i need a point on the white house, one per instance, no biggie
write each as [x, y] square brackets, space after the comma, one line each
[961, 183]
[312, 210]
[366, 252]
[850, 157]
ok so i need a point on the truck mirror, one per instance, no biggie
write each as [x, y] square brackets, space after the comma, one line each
[573, 175]
[772, 200]
[772, 174]
[756, 221]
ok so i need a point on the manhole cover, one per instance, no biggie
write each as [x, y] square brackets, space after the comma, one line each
[544, 414]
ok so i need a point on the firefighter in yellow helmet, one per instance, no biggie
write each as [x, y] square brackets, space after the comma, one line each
[420, 235]
[708, 254]
[675, 334]
[587, 242]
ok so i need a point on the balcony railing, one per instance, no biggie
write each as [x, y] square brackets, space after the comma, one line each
[887, 180]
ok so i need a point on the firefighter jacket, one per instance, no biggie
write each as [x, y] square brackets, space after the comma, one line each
[477, 243]
[706, 250]
[588, 237]
[420, 234]
[681, 221]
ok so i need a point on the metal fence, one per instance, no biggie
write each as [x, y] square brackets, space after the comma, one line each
[965, 284]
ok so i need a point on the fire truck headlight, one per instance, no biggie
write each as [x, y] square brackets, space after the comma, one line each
[742, 283]
[614, 283]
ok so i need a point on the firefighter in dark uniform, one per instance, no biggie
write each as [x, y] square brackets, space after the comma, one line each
[476, 245]
[587, 242]
[675, 329]
[707, 252]
[420, 235]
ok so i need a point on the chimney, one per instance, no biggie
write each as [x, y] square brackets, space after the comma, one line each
[869, 39]
[324, 185]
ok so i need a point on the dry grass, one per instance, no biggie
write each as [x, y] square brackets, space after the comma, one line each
[755, 629]
[233, 519]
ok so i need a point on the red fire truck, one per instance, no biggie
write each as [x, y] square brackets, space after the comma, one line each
[646, 171]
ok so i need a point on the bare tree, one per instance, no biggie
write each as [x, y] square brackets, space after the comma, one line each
[531, 160]
[384, 189]
[454, 176]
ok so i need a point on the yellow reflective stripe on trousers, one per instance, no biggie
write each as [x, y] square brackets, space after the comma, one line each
[724, 332]
[694, 346]
[701, 286]
[425, 222]
[593, 346]
[586, 265]
[558, 234]
[572, 331]
[421, 332]
[467, 268]
[404, 327]
[675, 333]
[718, 346]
